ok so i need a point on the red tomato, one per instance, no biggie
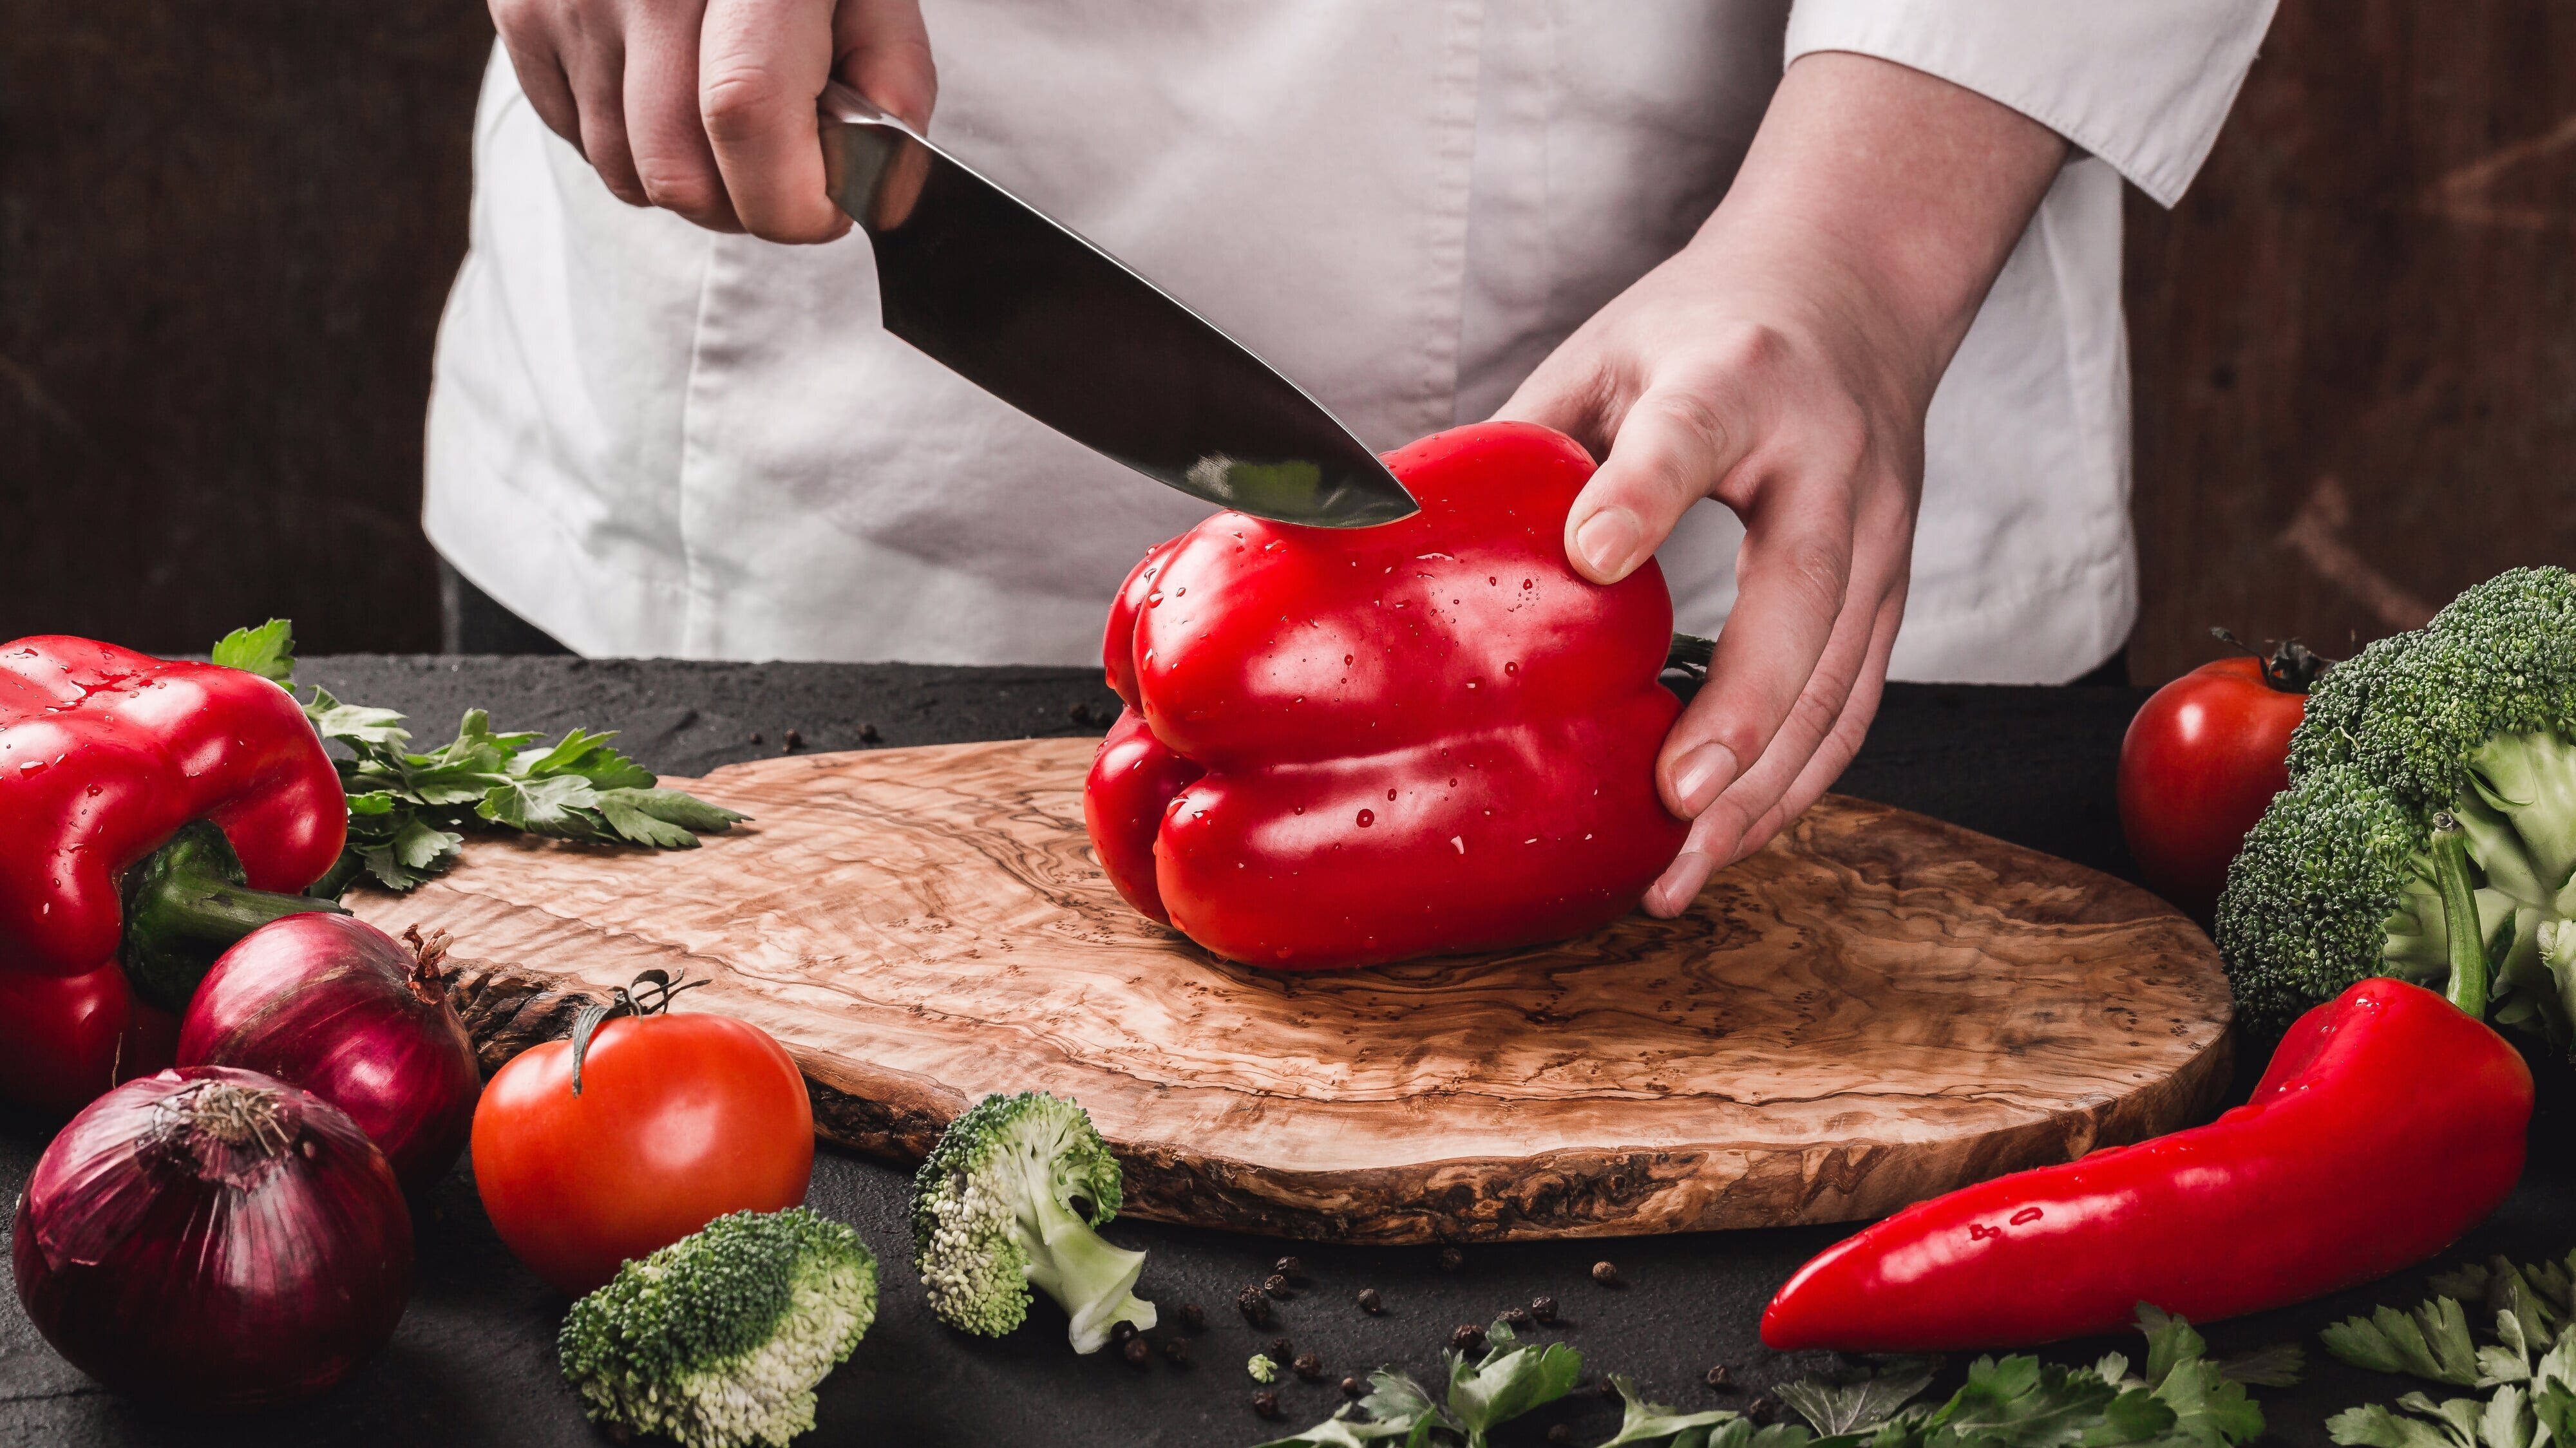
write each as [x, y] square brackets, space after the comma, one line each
[680, 1120]
[2199, 763]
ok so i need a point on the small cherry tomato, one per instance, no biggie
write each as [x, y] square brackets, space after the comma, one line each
[2201, 760]
[681, 1119]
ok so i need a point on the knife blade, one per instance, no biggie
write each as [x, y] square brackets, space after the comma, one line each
[1021, 306]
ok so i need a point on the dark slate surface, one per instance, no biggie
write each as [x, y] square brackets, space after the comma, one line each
[473, 1361]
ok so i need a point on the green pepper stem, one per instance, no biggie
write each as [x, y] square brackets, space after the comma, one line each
[2468, 988]
[186, 904]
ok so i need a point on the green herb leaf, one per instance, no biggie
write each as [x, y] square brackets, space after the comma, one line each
[1859, 1403]
[2373, 1426]
[673, 807]
[2276, 1366]
[1507, 1380]
[1643, 1422]
[2017, 1402]
[2433, 1343]
[1395, 1410]
[268, 650]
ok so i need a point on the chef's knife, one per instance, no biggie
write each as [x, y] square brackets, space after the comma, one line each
[1032, 313]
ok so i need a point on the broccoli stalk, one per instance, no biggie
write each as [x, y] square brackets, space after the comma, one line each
[2429, 830]
[717, 1340]
[995, 1212]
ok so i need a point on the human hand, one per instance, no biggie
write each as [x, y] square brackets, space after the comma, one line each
[706, 107]
[1782, 364]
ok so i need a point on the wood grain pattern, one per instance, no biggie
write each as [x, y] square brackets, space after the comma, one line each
[1875, 1008]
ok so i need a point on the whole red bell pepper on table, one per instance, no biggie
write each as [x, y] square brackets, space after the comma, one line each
[1345, 747]
[2388, 1123]
[151, 813]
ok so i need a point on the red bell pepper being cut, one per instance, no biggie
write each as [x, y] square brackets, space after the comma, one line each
[151, 813]
[1345, 747]
[2387, 1124]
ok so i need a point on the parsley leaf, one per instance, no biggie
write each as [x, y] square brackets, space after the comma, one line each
[409, 811]
[1643, 1422]
[268, 650]
[1858, 1403]
[2433, 1343]
[1507, 1380]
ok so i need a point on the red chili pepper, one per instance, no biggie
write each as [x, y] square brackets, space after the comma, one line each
[151, 813]
[1343, 747]
[2387, 1124]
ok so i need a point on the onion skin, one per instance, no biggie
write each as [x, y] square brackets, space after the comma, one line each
[171, 1253]
[338, 1007]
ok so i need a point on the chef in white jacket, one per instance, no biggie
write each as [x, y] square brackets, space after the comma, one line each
[1846, 334]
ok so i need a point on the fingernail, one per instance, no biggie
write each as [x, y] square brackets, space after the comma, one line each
[1605, 540]
[1701, 775]
[1680, 883]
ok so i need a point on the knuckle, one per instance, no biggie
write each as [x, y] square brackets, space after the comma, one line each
[1752, 347]
[738, 102]
[1817, 572]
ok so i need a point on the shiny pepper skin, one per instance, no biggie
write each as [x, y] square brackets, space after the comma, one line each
[2387, 1124]
[104, 754]
[1346, 747]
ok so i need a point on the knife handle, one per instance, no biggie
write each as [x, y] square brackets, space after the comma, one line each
[873, 164]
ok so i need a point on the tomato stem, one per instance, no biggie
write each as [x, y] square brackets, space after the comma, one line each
[2290, 667]
[649, 994]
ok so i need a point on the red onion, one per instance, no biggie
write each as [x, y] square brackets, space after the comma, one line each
[213, 1239]
[338, 1007]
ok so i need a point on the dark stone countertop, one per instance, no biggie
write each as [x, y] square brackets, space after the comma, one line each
[473, 1362]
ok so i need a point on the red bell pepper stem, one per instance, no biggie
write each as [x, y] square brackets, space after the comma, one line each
[2387, 1124]
[1690, 655]
[186, 904]
[2468, 987]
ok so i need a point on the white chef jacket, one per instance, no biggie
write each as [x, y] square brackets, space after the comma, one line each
[651, 439]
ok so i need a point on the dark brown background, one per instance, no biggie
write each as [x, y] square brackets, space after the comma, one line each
[226, 231]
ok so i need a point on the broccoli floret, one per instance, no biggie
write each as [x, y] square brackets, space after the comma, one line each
[2467, 724]
[717, 1340]
[1008, 1199]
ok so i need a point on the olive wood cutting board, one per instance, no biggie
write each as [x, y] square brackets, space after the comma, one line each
[1875, 1008]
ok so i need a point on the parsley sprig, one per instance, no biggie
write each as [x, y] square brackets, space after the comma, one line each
[2528, 1371]
[2179, 1398]
[408, 811]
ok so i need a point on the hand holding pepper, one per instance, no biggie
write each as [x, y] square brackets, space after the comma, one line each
[1782, 364]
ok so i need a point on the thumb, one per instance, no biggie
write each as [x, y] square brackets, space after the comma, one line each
[1671, 450]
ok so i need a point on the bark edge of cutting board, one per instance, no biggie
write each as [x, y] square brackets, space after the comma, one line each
[1875, 1008]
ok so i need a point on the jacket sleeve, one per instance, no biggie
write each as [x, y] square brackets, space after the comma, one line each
[2143, 84]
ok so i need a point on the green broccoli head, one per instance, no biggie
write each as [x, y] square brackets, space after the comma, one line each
[1006, 1201]
[717, 1340]
[2468, 722]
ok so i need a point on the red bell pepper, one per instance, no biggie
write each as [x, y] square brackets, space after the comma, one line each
[151, 813]
[2388, 1123]
[1344, 747]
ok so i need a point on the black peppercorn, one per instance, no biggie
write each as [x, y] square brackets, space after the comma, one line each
[1516, 1316]
[794, 740]
[1275, 1285]
[1450, 1257]
[1280, 1351]
[1720, 1378]
[1177, 1349]
[1254, 1307]
[1543, 1309]
[1193, 1317]
[1352, 1387]
[1079, 713]
[755, 736]
[1761, 1408]
[1290, 1268]
[867, 734]
[1266, 1403]
[1559, 1433]
[1139, 1352]
[1467, 1338]
[1605, 1273]
[1309, 1366]
[1370, 1302]
[1121, 1331]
